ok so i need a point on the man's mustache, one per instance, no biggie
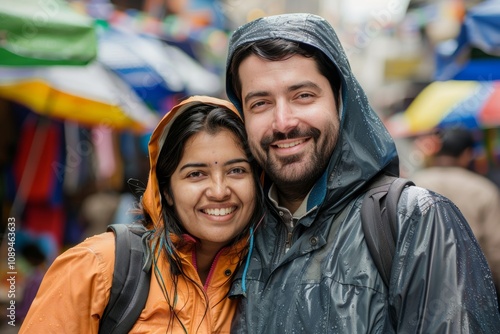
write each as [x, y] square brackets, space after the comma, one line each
[294, 133]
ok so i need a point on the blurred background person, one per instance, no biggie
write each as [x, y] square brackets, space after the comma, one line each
[448, 173]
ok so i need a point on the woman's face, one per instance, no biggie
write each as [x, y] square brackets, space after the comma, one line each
[213, 188]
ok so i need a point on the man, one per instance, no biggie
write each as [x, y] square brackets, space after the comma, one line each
[476, 196]
[320, 144]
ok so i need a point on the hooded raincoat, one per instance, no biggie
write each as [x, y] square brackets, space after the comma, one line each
[327, 281]
[76, 288]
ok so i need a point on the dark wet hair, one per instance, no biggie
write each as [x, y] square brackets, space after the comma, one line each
[454, 141]
[276, 49]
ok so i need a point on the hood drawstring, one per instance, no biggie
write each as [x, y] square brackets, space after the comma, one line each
[148, 260]
[249, 256]
[247, 264]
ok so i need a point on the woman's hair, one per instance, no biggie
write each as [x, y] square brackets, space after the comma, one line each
[200, 118]
[277, 49]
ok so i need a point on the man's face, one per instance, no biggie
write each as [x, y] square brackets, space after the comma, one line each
[290, 116]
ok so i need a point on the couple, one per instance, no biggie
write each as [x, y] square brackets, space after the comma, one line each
[225, 261]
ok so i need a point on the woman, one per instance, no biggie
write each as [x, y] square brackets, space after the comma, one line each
[201, 203]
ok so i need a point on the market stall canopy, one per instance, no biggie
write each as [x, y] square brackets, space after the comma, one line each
[45, 32]
[471, 104]
[90, 95]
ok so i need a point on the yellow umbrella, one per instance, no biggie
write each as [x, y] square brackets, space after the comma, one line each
[89, 95]
[430, 107]
[435, 101]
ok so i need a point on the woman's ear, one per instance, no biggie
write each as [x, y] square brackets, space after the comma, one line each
[170, 200]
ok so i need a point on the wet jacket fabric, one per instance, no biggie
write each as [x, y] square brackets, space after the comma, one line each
[477, 198]
[76, 288]
[327, 282]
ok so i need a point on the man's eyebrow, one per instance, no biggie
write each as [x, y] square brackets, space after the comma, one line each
[303, 84]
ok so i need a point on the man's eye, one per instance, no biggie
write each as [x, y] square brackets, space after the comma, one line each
[305, 95]
[257, 104]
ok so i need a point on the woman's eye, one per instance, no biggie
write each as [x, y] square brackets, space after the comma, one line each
[195, 174]
[237, 170]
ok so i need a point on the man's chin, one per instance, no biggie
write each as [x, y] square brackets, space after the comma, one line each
[288, 174]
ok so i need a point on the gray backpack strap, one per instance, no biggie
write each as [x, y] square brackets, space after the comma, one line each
[379, 221]
[130, 287]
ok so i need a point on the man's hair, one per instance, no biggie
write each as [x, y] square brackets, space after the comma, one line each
[281, 49]
[454, 141]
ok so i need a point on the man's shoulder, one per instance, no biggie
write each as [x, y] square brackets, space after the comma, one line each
[416, 201]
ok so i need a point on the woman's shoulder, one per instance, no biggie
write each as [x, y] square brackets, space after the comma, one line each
[100, 244]
[96, 253]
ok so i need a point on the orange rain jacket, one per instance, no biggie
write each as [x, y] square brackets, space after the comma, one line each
[76, 288]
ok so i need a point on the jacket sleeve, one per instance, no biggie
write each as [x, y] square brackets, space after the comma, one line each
[441, 282]
[491, 235]
[75, 290]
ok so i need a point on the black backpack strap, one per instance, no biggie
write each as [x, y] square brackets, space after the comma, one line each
[391, 203]
[130, 287]
[379, 221]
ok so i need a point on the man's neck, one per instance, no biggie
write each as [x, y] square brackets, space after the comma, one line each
[291, 204]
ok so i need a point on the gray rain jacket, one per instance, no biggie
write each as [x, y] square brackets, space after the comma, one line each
[327, 282]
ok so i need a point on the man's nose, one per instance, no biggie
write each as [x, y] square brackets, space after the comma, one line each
[284, 117]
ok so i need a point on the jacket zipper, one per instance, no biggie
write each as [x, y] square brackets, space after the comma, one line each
[288, 242]
[212, 267]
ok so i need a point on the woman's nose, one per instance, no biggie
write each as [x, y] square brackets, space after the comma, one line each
[218, 189]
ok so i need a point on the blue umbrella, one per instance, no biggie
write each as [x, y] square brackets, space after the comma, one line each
[154, 69]
[475, 53]
[128, 55]
[483, 26]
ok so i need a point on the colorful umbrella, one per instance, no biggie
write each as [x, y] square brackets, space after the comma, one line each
[90, 95]
[475, 53]
[473, 104]
[50, 32]
[153, 68]
[139, 63]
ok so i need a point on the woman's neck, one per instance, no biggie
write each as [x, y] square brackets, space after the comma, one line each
[205, 256]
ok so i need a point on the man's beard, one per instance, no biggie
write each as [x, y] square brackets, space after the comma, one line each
[293, 175]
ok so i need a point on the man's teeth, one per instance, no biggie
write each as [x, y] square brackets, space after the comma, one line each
[219, 212]
[293, 143]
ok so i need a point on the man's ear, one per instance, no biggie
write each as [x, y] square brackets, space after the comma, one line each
[170, 200]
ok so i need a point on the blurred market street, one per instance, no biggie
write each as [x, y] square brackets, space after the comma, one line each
[84, 82]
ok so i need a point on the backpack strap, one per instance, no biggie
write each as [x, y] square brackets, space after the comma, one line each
[379, 220]
[130, 287]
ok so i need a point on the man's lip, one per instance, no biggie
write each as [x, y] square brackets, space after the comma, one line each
[289, 143]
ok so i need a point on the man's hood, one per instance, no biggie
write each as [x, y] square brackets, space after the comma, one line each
[364, 146]
[151, 199]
